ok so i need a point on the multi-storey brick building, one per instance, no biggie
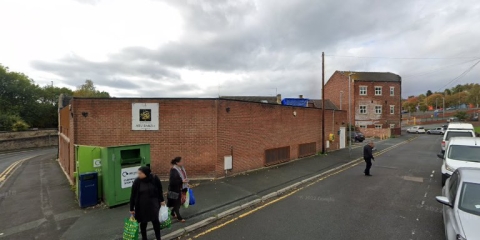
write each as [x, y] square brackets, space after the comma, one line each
[375, 98]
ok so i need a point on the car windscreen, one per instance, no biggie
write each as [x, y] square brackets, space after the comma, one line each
[470, 198]
[421, 128]
[451, 134]
[464, 153]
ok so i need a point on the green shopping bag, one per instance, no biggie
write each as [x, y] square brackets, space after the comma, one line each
[130, 229]
[168, 222]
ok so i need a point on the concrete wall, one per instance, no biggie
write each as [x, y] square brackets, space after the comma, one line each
[201, 131]
[30, 142]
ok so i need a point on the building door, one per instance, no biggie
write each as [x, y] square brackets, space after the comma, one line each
[342, 137]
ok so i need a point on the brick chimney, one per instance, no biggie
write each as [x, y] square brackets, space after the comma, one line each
[279, 98]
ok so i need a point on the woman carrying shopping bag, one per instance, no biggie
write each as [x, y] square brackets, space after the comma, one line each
[177, 188]
[145, 200]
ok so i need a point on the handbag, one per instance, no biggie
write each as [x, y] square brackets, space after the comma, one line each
[172, 195]
[130, 229]
[192, 198]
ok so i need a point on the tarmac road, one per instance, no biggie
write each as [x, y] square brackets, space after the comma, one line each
[6, 159]
[397, 202]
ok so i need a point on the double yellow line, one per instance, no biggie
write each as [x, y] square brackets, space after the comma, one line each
[352, 164]
[4, 175]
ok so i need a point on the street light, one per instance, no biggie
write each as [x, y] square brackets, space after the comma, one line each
[341, 96]
[349, 115]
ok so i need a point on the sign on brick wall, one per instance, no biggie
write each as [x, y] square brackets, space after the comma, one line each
[145, 116]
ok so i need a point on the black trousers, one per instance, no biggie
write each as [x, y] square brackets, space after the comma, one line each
[369, 165]
[156, 228]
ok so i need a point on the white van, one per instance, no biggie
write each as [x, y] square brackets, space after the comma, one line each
[457, 130]
[460, 152]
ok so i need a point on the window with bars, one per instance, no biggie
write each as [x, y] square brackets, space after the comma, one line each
[378, 91]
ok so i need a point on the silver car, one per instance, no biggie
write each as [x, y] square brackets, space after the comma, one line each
[461, 200]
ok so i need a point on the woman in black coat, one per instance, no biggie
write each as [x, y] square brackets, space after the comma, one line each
[145, 200]
[178, 184]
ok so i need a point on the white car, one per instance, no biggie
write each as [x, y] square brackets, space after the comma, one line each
[416, 129]
[457, 130]
[460, 152]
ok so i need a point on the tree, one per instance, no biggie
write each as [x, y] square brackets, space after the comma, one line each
[461, 115]
[474, 94]
[434, 100]
[423, 107]
[428, 93]
[88, 90]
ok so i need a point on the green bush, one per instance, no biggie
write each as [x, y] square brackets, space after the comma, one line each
[20, 125]
[7, 121]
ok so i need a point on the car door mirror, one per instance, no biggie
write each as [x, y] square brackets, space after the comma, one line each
[444, 200]
[440, 155]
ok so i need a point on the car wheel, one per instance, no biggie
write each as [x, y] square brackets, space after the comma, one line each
[417, 132]
[428, 132]
[444, 179]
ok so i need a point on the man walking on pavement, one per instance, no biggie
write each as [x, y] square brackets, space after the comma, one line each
[368, 156]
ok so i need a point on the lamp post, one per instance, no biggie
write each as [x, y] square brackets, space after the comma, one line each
[349, 115]
[341, 96]
[443, 112]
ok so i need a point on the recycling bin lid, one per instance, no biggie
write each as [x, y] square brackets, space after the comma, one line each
[88, 176]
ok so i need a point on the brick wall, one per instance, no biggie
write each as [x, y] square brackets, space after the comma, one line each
[336, 84]
[373, 132]
[202, 132]
[187, 129]
[252, 128]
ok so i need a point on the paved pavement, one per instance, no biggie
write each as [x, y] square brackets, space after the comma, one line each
[398, 202]
[51, 211]
[36, 201]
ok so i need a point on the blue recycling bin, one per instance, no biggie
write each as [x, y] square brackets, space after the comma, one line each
[88, 189]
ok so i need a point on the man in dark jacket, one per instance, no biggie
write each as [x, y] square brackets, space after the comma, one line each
[368, 156]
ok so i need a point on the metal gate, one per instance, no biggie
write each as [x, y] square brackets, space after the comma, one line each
[307, 149]
[277, 155]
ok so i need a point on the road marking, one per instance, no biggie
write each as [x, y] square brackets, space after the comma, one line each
[354, 163]
[413, 179]
[10, 170]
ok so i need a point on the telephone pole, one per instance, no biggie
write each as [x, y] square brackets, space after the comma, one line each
[323, 102]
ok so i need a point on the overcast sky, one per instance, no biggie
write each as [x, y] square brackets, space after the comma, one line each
[206, 48]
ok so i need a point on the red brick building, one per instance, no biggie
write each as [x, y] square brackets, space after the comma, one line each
[202, 131]
[375, 98]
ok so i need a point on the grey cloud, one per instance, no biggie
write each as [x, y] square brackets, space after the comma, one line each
[277, 44]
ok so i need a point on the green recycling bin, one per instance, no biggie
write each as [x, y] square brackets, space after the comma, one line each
[119, 169]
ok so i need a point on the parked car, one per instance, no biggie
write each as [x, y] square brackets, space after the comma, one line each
[457, 130]
[416, 129]
[438, 130]
[474, 117]
[461, 205]
[404, 111]
[445, 127]
[357, 137]
[451, 108]
[461, 152]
